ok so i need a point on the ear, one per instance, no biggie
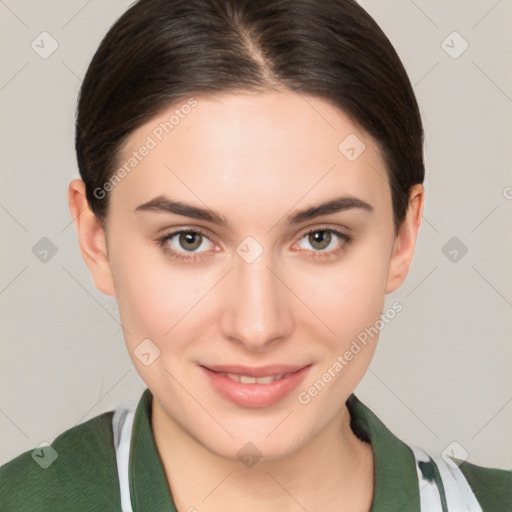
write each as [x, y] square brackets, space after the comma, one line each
[91, 237]
[405, 241]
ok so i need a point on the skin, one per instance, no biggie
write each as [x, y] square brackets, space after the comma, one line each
[254, 158]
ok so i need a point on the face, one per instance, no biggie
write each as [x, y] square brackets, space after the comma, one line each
[223, 262]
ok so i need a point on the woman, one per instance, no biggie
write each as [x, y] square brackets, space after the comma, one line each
[251, 190]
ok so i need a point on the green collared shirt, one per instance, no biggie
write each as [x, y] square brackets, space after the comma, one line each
[83, 476]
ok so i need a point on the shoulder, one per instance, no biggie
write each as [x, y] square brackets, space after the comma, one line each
[492, 487]
[78, 471]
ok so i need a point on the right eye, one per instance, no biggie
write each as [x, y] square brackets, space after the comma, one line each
[180, 243]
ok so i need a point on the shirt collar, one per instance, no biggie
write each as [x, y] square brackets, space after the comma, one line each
[149, 490]
[395, 477]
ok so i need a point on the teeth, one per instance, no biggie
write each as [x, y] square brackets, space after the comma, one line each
[246, 379]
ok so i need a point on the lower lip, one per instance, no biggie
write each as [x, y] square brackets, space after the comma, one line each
[255, 395]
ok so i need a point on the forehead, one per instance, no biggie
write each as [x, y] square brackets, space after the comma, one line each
[239, 149]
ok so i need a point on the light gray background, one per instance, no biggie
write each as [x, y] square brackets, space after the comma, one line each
[442, 371]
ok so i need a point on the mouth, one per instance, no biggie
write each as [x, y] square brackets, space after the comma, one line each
[255, 387]
[247, 379]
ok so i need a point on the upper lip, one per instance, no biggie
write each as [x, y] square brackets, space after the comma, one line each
[251, 371]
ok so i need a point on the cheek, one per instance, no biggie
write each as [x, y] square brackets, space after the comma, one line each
[153, 294]
[161, 302]
[348, 296]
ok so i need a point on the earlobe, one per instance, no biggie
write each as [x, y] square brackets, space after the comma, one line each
[405, 241]
[91, 237]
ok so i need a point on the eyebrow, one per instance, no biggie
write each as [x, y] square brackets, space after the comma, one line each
[162, 204]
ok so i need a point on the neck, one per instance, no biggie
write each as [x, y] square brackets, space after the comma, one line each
[332, 472]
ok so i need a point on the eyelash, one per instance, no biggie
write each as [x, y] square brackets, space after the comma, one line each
[194, 257]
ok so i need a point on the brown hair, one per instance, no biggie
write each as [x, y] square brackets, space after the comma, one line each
[161, 52]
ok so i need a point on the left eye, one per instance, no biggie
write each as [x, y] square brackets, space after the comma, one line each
[323, 239]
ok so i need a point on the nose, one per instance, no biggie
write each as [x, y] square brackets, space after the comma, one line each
[257, 309]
